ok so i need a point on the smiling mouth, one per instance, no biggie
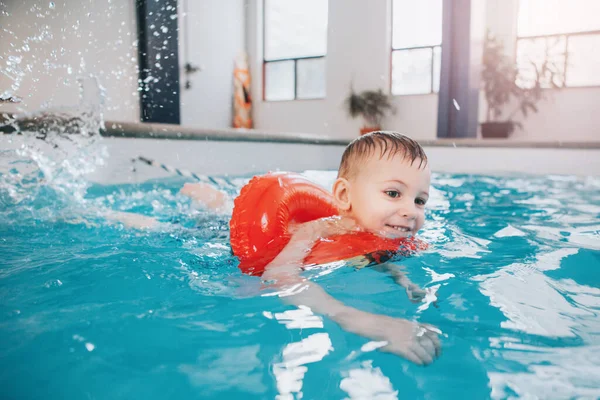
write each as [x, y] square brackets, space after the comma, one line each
[400, 228]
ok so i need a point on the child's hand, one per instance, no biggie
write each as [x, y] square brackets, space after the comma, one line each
[415, 293]
[416, 342]
[305, 235]
[323, 228]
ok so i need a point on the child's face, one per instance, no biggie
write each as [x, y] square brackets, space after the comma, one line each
[388, 196]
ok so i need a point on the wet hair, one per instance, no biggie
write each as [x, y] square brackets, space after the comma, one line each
[381, 143]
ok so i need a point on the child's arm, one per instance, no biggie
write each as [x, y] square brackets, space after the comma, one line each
[413, 291]
[200, 192]
[416, 342]
[133, 220]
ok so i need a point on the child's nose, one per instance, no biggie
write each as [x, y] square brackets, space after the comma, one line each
[408, 211]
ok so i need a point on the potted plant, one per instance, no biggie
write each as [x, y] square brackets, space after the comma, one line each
[504, 83]
[372, 105]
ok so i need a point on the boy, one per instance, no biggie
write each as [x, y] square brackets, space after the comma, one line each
[382, 186]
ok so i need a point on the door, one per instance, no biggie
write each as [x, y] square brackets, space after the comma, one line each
[212, 35]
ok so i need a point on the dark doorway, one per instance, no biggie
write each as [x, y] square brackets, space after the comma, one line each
[159, 61]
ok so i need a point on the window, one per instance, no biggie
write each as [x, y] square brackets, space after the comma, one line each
[295, 44]
[416, 46]
[566, 34]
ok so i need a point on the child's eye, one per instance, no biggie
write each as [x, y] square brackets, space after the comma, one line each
[392, 193]
[420, 201]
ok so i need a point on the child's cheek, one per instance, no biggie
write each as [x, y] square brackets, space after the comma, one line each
[420, 221]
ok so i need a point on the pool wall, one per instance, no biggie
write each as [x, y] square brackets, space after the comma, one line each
[241, 152]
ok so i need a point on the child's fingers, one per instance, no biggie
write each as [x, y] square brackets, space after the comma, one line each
[323, 228]
[349, 224]
[427, 343]
[424, 354]
[407, 353]
[338, 226]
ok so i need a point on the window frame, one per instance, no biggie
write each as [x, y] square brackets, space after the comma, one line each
[273, 60]
[567, 36]
[393, 49]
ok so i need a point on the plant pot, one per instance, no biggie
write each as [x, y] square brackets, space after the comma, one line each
[367, 129]
[497, 130]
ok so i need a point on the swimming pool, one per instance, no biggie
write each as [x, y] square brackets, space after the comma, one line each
[94, 310]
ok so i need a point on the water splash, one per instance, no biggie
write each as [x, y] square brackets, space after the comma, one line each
[47, 154]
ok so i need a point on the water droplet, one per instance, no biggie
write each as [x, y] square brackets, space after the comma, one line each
[53, 283]
[164, 29]
[90, 346]
[456, 104]
[14, 60]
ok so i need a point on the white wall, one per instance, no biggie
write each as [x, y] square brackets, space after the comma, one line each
[358, 51]
[359, 37]
[246, 158]
[51, 47]
[571, 114]
[565, 114]
[215, 36]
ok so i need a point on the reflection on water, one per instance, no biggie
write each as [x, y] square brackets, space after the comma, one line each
[366, 382]
[289, 373]
[529, 299]
[550, 373]
[216, 370]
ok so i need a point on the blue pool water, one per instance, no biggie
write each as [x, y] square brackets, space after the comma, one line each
[93, 310]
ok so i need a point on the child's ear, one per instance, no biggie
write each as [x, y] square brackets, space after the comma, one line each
[341, 194]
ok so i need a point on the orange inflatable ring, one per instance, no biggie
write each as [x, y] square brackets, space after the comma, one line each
[269, 203]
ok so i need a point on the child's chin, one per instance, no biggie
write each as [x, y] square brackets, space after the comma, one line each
[394, 234]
